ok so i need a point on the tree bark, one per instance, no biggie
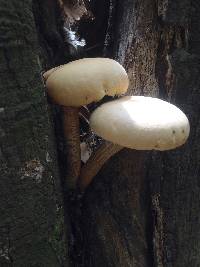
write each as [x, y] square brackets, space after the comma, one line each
[31, 207]
[158, 43]
[116, 225]
[175, 186]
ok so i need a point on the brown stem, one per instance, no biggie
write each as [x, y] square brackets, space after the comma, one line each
[95, 162]
[72, 136]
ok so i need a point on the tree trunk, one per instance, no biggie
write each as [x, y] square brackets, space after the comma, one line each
[32, 219]
[142, 209]
[175, 183]
[136, 218]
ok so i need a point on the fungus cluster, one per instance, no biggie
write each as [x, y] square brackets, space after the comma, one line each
[136, 122]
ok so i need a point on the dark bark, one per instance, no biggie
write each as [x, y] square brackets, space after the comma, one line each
[31, 208]
[158, 43]
[115, 220]
[175, 186]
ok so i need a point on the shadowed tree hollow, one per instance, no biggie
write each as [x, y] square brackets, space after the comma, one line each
[142, 209]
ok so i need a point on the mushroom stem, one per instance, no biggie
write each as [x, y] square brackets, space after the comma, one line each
[95, 162]
[72, 139]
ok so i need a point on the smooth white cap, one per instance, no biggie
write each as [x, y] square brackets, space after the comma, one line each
[84, 81]
[141, 123]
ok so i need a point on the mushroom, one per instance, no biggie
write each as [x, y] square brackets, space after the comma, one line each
[76, 84]
[136, 122]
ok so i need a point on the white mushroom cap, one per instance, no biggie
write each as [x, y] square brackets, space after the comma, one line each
[142, 123]
[86, 80]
